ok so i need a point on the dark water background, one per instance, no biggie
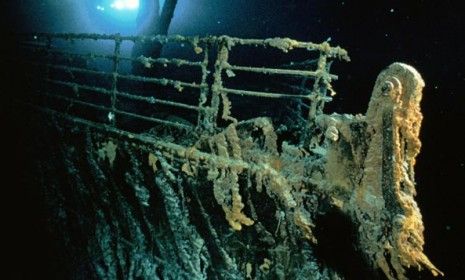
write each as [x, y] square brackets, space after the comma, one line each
[426, 34]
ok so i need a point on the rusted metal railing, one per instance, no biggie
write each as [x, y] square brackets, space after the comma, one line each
[57, 55]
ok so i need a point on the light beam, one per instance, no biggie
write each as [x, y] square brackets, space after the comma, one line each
[125, 4]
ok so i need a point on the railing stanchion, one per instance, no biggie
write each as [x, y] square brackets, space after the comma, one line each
[114, 81]
[319, 89]
[221, 61]
[202, 121]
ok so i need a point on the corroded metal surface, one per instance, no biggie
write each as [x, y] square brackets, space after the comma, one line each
[296, 166]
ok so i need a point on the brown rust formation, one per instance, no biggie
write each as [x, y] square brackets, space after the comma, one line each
[368, 172]
[360, 165]
[375, 169]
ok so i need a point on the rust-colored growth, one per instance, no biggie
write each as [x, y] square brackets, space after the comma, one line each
[381, 198]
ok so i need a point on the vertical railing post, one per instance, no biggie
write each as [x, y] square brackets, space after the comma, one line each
[203, 121]
[217, 86]
[114, 81]
[319, 89]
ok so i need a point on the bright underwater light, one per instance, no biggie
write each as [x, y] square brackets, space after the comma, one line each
[122, 13]
[125, 4]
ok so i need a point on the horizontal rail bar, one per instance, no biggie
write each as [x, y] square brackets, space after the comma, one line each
[165, 122]
[307, 92]
[175, 149]
[67, 68]
[150, 144]
[277, 71]
[175, 61]
[83, 55]
[103, 108]
[179, 85]
[79, 86]
[95, 36]
[263, 94]
[163, 81]
[151, 100]
[142, 59]
[284, 44]
[76, 101]
[77, 69]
